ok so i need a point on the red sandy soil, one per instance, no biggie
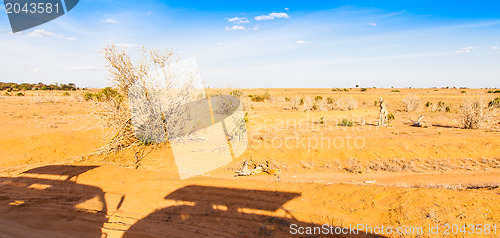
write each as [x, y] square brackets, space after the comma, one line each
[431, 176]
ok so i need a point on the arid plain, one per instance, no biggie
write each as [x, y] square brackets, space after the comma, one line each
[341, 174]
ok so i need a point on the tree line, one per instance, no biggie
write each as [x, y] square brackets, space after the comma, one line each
[36, 86]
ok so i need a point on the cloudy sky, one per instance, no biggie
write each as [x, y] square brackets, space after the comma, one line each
[417, 43]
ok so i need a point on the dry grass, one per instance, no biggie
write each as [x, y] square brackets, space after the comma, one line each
[392, 165]
[475, 113]
[294, 103]
[342, 104]
[488, 186]
[353, 166]
[411, 102]
[311, 104]
[44, 98]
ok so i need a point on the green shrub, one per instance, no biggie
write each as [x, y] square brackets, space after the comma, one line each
[329, 100]
[88, 96]
[428, 104]
[364, 89]
[318, 98]
[302, 101]
[246, 117]
[496, 91]
[390, 117]
[236, 93]
[321, 120]
[463, 92]
[257, 99]
[261, 98]
[66, 94]
[20, 94]
[346, 122]
[494, 103]
[396, 91]
[266, 96]
[107, 94]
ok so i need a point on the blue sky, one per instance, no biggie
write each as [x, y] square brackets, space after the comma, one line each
[270, 43]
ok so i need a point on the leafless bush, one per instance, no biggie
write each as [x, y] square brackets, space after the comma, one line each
[294, 103]
[225, 105]
[392, 165]
[488, 186]
[475, 113]
[279, 99]
[40, 98]
[314, 105]
[272, 99]
[342, 104]
[350, 103]
[157, 97]
[353, 166]
[412, 102]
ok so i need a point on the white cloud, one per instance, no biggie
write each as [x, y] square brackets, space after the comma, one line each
[286, 9]
[372, 24]
[149, 13]
[495, 48]
[465, 50]
[256, 28]
[234, 19]
[35, 69]
[85, 67]
[264, 17]
[234, 28]
[42, 33]
[238, 20]
[220, 44]
[110, 21]
[272, 16]
[126, 45]
[279, 15]
[301, 42]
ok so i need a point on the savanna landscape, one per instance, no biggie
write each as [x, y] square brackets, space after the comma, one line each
[194, 119]
[327, 160]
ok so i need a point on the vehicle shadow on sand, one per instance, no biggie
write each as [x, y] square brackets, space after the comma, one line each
[47, 199]
[206, 211]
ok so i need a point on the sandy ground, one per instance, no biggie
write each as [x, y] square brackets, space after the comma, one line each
[400, 176]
